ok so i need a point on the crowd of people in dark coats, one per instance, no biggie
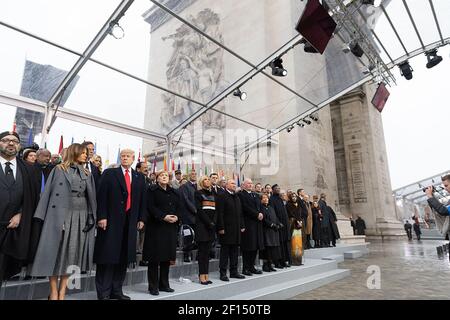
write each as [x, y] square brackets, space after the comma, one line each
[74, 214]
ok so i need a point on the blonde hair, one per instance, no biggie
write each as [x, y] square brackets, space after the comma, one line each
[201, 181]
[129, 151]
[71, 156]
[94, 158]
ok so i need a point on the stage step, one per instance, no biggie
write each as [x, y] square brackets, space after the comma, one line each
[286, 290]
[353, 254]
[336, 257]
[269, 285]
[321, 253]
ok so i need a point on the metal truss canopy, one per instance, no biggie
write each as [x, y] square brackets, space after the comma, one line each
[389, 34]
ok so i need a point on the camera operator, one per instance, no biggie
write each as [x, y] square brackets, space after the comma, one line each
[443, 210]
[442, 218]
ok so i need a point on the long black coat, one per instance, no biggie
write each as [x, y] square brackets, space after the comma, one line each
[205, 224]
[188, 209]
[229, 218]
[317, 223]
[111, 201]
[271, 235]
[360, 226]
[160, 242]
[294, 214]
[253, 236]
[334, 227]
[16, 242]
[280, 209]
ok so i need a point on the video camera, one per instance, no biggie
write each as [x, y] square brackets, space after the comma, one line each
[425, 189]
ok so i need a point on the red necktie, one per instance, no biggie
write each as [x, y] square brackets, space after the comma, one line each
[128, 184]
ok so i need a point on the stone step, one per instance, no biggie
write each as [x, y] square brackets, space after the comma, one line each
[286, 290]
[339, 249]
[192, 290]
[353, 254]
[336, 257]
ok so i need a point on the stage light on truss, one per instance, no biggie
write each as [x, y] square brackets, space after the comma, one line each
[306, 121]
[277, 68]
[314, 117]
[289, 129]
[116, 30]
[241, 94]
[406, 70]
[433, 58]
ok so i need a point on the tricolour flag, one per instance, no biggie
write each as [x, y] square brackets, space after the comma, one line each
[61, 145]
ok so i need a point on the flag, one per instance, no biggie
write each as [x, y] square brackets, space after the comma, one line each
[139, 156]
[30, 137]
[14, 127]
[61, 145]
[193, 165]
[165, 162]
[118, 156]
[71, 142]
[187, 167]
[107, 155]
[206, 170]
[154, 163]
[173, 165]
[179, 163]
[95, 147]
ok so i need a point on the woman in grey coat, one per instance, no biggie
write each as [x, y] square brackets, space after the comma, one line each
[67, 209]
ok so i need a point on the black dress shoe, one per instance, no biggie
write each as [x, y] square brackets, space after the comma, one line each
[99, 298]
[272, 269]
[119, 297]
[266, 268]
[237, 276]
[209, 282]
[154, 292]
[246, 272]
[256, 271]
[224, 278]
[166, 289]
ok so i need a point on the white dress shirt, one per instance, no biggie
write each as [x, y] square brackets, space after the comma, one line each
[13, 165]
[129, 173]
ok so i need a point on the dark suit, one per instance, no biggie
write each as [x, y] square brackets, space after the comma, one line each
[115, 247]
[20, 197]
[95, 173]
[253, 237]
[229, 219]
[188, 210]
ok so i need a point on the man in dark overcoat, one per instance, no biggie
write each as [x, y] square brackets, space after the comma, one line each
[188, 209]
[253, 237]
[19, 195]
[285, 236]
[121, 207]
[230, 225]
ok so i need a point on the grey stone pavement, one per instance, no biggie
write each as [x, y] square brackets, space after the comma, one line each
[408, 270]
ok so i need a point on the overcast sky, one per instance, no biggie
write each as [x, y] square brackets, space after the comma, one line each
[415, 117]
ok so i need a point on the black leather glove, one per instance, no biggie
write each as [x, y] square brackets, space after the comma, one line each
[90, 223]
[273, 226]
[280, 226]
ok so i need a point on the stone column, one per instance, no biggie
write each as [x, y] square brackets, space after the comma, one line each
[364, 187]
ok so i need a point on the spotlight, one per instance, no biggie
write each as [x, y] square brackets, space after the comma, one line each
[433, 58]
[306, 121]
[309, 48]
[238, 93]
[277, 68]
[356, 49]
[301, 125]
[289, 129]
[406, 70]
[314, 117]
[116, 30]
